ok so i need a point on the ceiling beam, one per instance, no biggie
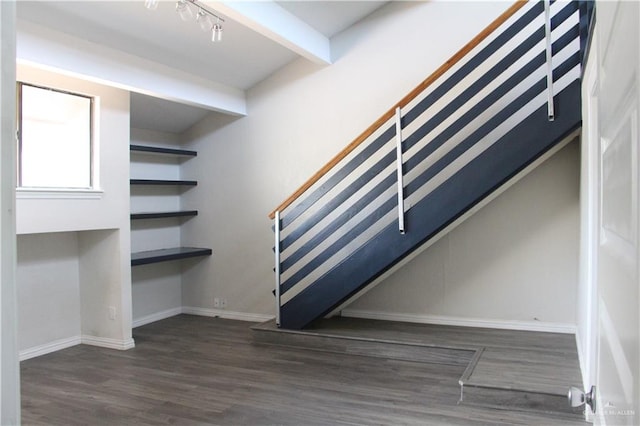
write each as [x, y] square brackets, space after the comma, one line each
[272, 21]
[43, 47]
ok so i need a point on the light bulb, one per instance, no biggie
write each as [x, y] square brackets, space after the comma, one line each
[216, 33]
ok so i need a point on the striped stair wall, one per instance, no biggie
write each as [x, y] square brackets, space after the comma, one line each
[463, 136]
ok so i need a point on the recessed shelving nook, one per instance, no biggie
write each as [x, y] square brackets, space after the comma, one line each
[146, 164]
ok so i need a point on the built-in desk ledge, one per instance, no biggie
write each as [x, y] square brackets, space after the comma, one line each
[146, 149]
[162, 215]
[163, 182]
[59, 193]
[165, 255]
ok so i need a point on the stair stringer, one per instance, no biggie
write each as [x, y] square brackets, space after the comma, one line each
[423, 247]
[508, 156]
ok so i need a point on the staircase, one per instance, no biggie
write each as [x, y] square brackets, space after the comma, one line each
[493, 109]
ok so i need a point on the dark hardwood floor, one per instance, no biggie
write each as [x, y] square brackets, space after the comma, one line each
[190, 370]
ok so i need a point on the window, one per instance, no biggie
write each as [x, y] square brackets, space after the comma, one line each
[54, 139]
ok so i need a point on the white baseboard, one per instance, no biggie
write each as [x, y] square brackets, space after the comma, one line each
[60, 344]
[106, 342]
[47, 348]
[156, 317]
[223, 313]
[463, 322]
[118, 344]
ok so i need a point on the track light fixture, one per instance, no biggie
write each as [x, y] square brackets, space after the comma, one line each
[216, 32]
[204, 17]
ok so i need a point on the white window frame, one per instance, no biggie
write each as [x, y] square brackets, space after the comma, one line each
[91, 192]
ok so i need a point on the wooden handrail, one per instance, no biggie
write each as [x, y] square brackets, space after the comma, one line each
[403, 102]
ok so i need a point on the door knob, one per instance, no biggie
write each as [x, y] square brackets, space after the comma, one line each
[577, 398]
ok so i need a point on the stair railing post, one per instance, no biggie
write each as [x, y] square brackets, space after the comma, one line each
[549, 52]
[399, 171]
[277, 268]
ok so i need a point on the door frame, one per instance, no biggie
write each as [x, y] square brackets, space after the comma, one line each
[587, 330]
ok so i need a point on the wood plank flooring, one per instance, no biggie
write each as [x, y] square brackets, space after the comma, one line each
[190, 370]
[544, 362]
[520, 370]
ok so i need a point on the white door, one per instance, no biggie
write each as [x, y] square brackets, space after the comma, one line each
[618, 320]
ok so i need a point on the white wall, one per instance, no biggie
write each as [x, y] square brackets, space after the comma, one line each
[49, 290]
[9, 368]
[157, 288]
[297, 120]
[105, 298]
[513, 264]
[156, 291]
[101, 223]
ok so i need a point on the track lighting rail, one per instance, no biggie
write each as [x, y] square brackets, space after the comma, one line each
[208, 20]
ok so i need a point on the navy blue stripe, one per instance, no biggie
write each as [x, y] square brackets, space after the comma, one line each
[494, 122]
[337, 177]
[484, 54]
[345, 239]
[364, 201]
[340, 198]
[472, 90]
[467, 94]
[490, 75]
[473, 63]
[486, 102]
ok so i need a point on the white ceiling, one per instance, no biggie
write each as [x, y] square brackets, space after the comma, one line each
[158, 114]
[331, 17]
[242, 59]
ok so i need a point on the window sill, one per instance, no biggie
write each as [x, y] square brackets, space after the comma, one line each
[58, 194]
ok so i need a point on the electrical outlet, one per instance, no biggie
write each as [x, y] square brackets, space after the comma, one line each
[216, 302]
[223, 303]
[112, 313]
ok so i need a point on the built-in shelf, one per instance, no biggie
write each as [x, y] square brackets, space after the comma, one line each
[162, 215]
[165, 255]
[161, 150]
[163, 182]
